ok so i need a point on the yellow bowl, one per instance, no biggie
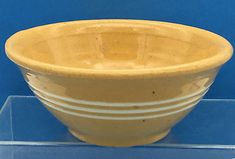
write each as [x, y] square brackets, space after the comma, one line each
[118, 82]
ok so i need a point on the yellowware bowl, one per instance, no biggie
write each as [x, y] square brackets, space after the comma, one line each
[118, 82]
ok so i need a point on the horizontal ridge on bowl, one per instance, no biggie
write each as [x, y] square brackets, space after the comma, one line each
[158, 108]
[119, 107]
[154, 111]
[116, 117]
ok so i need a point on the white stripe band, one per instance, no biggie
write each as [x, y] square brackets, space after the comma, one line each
[115, 104]
[118, 118]
[94, 110]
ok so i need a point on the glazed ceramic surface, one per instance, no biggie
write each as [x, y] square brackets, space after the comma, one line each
[118, 82]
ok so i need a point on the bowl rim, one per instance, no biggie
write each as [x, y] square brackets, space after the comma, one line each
[193, 67]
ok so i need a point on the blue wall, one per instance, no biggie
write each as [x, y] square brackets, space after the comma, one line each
[215, 15]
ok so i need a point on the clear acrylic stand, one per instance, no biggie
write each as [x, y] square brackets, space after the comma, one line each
[27, 129]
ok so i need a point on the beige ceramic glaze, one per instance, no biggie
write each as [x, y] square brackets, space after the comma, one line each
[118, 82]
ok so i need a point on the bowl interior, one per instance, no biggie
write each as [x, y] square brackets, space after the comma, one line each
[115, 45]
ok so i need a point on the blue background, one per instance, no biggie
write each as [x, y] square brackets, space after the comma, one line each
[217, 16]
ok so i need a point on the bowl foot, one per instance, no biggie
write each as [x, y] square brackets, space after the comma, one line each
[118, 143]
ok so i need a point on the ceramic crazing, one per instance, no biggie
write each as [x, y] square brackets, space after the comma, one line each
[118, 82]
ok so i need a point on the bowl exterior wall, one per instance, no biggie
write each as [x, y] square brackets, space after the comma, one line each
[130, 111]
